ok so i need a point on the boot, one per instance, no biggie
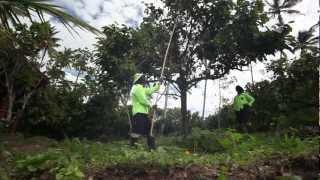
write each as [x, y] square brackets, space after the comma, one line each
[151, 142]
[133, 141]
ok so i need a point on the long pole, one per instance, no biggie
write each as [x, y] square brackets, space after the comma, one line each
[167, 51]
[161, 75]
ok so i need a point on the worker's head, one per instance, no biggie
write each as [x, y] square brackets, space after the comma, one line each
[138, 78]
[239, 89]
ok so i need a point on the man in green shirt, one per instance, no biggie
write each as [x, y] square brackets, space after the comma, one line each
[241, 104]
[140, 99]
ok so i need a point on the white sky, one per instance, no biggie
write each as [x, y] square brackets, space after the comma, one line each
[100, 13]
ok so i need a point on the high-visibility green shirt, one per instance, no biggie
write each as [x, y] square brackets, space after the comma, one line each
[242, 99]
[140, 98]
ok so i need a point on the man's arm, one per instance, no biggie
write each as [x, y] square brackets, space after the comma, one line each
[153, 89]
[250, 99]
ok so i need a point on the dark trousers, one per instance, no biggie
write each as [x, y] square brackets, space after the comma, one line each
[141, 124]
[242, 118]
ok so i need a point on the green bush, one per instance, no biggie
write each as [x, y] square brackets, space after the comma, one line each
[203, 141]
[30, 166]
[63, 166]
[3, 174]
[213, 141]
[231, 139]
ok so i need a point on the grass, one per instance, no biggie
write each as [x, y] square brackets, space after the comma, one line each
[71, 158]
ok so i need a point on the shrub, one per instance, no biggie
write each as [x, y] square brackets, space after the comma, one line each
[203, 141]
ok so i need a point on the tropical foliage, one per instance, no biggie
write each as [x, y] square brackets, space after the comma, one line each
[73, 95]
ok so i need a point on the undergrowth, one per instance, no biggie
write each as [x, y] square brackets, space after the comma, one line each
[71, 158]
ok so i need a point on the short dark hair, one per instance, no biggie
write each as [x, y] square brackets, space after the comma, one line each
[239, 89]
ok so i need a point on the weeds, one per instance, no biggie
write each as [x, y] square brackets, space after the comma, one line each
[71, 158]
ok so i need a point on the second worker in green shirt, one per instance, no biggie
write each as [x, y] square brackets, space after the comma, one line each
[242, 104]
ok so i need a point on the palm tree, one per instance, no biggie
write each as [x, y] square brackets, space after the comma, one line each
[279, 7]
[306, 40]
[13, 12]
[48, 40]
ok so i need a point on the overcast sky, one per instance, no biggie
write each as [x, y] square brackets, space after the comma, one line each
[100, 13]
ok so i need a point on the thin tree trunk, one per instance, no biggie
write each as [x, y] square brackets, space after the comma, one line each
[43, 55]
[204, 99]
[166, 103]
[165, 111]
[77, 77]
[124, 101]
[185, 121]
[280, 19]
[9, 82]
[162, 127]
[205, 87]
[220, 102]
[11, 99]
[20, 113]
[251, 73]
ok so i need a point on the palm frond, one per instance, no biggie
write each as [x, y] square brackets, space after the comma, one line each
[289, 3]
[292, 11]
[313, 28]
[268, 3]
[276, 3]
[314, 40]
[304, 36]
[12, 9]
[63, 17]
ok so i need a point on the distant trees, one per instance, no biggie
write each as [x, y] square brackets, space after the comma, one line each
[20, 66]
[21, 45]
[223, 34]
[211, 39]
[272, 111]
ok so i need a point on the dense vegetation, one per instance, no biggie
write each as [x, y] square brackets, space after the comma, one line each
[220, 153]
[88, 117]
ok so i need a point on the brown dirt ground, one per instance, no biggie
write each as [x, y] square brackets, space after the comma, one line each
[306, 167]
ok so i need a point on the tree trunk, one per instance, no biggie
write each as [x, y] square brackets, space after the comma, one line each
[251, 73]
[204, 99]
[165, 111]
[166, 103]
[162, 127]
[319, 72]
[19, 115]
[220, 103]
[76, 82]
[11, 99]
[185, 120]
[124, 100]
[43, 56]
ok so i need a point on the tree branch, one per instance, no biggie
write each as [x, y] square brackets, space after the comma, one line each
[188, 40]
